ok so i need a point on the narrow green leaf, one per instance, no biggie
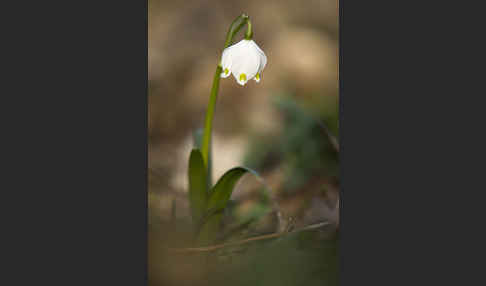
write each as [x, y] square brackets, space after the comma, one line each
[218, 199]
[197, 138]
[221, 192]
[210, 229]
[198, 193]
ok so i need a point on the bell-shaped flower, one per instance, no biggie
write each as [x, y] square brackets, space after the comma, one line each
[245, 60]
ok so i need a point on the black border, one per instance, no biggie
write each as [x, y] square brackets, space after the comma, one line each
[76, 145]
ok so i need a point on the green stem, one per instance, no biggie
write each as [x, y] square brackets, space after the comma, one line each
[208, 124]
[249, 32]
[235, 27]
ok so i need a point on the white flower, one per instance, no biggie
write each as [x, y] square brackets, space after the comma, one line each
[245, 60]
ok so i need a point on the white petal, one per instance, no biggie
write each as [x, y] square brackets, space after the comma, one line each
[263, 62]
[226, 63]
[245, 60]
[263, 57]
[226, 58]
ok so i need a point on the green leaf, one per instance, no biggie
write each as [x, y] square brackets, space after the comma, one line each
[218, 199]
[221, 192]
[198, 193]
[210, 229]
[197, 138]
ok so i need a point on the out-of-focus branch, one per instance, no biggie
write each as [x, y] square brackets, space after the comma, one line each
[244, 241]
[332, 138]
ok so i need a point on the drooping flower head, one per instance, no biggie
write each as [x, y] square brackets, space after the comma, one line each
[245, 60]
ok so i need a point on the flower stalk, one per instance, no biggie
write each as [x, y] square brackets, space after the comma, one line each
[235, 27]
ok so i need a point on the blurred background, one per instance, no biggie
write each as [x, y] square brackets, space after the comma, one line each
[284, 127]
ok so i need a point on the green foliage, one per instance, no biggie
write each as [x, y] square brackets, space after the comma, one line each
[198, 194]
[197, 138]
[218, 200]
[221, 192]
[303, 148]
[207, 204]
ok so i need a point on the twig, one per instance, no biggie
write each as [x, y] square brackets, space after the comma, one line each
[332, 138]
[244, 241]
